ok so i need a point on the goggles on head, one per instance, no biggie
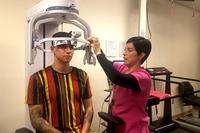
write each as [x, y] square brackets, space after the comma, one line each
[64, 42]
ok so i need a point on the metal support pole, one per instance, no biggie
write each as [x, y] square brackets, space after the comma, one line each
[142, 18]
[44, 46]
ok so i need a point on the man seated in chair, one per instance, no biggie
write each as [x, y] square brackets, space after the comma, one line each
[58, 93]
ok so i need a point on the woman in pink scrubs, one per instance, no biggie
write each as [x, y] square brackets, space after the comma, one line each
[132, 84]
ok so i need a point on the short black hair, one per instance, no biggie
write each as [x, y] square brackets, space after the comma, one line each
[141, 45]
[62, 34]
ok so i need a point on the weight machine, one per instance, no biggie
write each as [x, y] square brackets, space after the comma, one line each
[166, 124]
[191, 121]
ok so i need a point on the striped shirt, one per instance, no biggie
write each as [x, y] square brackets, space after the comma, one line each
[61, 96]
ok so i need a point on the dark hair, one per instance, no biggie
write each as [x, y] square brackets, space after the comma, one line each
[141, 45]
[62, 34]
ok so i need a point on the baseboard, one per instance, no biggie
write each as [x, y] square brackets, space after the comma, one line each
[182, 114]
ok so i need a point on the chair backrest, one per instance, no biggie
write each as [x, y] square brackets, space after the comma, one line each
[186, 88]
[23, 130]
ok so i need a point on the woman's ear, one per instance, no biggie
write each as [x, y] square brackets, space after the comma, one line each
[141, 56]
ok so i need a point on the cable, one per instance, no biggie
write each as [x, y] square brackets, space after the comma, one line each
[147, 16]
[100, 118]
[148, 27]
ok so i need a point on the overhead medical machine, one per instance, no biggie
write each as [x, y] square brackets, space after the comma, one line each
[53, 14]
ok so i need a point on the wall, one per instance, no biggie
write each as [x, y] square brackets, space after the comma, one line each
[12, 55]
[175, 45]
[175, 39]
[175, 33]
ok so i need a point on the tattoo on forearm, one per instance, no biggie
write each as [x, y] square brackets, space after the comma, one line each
[88, 117]
[35, 116]
[38, 122]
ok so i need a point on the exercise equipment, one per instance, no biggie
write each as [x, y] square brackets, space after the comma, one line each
[166, 124]
[53, 13]
[190, 122]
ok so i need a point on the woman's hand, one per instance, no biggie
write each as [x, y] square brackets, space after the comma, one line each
[95, 44]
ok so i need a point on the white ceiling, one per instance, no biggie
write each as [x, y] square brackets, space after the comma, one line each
[192, 4]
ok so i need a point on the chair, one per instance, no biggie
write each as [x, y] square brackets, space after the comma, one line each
[187, 90]
[111, 120]
[189, 98]
[23, 130]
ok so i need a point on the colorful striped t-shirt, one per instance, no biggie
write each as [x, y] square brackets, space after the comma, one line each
[61, 96]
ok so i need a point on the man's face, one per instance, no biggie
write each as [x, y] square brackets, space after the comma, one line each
[63, 52]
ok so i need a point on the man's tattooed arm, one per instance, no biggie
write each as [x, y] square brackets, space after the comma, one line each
[38, 123]
[88, 116]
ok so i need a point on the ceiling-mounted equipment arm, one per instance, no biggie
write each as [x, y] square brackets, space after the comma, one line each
[56, 12]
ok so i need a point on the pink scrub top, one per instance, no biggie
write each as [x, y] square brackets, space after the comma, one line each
[129, 105]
